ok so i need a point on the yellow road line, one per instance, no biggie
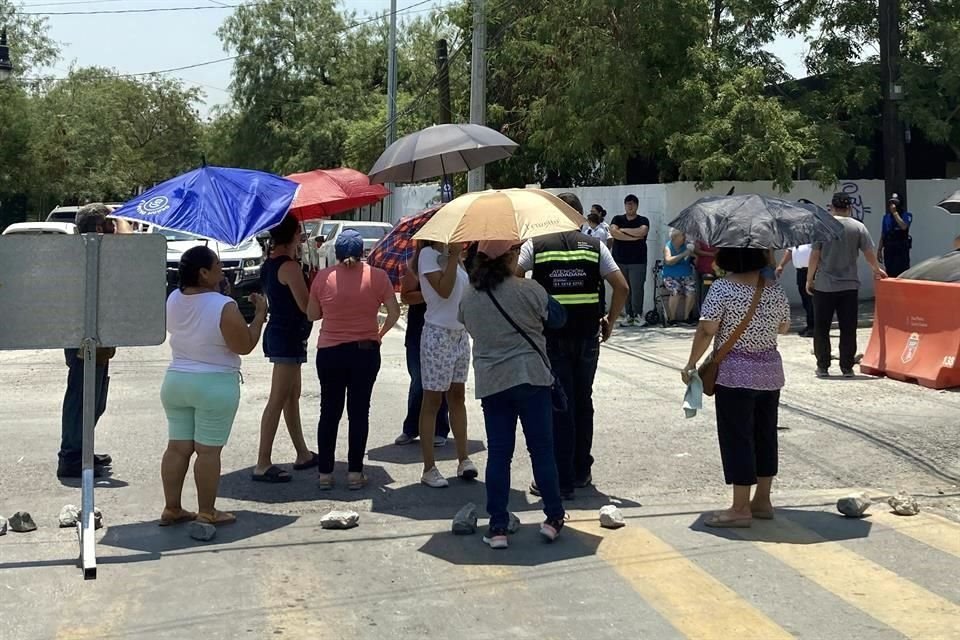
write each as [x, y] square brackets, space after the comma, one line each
[931, 530]
[875, 590]
[693, 601]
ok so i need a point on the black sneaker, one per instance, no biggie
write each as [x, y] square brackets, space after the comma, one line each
[102, 460]
[847, 373]
[496, 538]
[564, 495]
[823, 373]
[550, 529]
[75, 470]
[583, 484]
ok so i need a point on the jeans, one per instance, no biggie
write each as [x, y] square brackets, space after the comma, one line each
[844, 304]
[347, 373]
[896, 259]
[71, 425]
[532, 405]
[411, 424]
[805, 297]
[636, 275]
[574, 362]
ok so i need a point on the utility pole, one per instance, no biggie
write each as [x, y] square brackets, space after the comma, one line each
[392, 77]
[478, 84]
[445, 111]
[386, 204]
[894, 147]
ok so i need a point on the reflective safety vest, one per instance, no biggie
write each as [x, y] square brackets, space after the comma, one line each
[567, 265]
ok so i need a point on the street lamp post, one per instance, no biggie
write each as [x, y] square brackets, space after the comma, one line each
[6, 67]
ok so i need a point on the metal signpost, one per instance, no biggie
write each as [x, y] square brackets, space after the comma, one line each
[87, 291]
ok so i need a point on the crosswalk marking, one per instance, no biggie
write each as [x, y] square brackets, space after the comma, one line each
[931, 530]
[693, 601]
[879, 592]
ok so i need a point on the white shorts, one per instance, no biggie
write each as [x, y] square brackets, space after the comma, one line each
[444, 357]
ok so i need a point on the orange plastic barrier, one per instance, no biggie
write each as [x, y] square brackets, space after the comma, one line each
[916, 333]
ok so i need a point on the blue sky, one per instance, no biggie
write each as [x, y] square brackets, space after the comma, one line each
[135, 43]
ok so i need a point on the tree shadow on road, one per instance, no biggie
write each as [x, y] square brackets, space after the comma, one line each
[238, 485]
[527, 548]
[150, 538]
[410, 453]
[794, 526]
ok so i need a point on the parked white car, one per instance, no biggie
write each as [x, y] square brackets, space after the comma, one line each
[41, 228]
[241, 264]
[321, 245]
[69, 213]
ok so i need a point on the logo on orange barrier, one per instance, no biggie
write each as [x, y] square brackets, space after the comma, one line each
[913, 343]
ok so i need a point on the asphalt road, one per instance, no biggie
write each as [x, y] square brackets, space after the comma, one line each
[401, 574]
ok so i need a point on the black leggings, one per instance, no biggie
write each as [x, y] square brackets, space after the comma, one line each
[747, 429]
[347, 374]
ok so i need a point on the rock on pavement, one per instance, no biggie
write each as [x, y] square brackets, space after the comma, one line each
[70, 515]
[22, 522]
[465, 522]
[202, 531]
[611, 517]
[340, 520]
[854, 506]
[904, 504]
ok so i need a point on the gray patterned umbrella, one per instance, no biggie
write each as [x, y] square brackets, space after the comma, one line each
[756, 222]
[440, 150]
[943, 269]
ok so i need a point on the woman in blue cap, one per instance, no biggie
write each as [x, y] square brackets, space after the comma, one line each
[348, 297]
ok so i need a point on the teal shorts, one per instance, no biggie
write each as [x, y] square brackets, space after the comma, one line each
[200, 406]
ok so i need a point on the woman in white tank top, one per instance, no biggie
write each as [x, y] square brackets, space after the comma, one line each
[201, 390]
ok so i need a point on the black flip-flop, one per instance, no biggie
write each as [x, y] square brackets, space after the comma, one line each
[314, 461]
[273, 475]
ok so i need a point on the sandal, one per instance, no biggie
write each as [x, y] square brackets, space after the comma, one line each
[273, 475]
[314, 461]
[218, 518]
[170, 517]
[325, 481]
[356, 481]
[721, 521]
[763, 515]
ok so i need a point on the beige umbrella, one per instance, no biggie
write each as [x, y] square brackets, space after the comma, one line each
[508, 214]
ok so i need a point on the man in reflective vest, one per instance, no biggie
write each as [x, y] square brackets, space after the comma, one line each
[572, 267]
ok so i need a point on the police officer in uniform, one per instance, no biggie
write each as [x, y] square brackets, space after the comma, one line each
[572, 267]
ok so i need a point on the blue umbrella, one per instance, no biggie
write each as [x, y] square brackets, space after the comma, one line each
[227, 205]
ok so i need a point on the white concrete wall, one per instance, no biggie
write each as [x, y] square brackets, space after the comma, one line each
[933, 230]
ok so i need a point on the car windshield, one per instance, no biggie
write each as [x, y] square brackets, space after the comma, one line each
[371, 232]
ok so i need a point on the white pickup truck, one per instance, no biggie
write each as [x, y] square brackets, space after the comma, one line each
[241, 264]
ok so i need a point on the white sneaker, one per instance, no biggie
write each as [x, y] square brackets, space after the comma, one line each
[467, 470]
[433, 478]
[439, 441]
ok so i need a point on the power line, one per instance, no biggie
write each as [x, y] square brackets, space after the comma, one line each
[104, 12]
[218, 7]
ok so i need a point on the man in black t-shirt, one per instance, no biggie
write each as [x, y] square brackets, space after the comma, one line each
[629, 233]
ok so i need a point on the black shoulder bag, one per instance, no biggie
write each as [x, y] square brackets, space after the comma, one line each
[557, 394]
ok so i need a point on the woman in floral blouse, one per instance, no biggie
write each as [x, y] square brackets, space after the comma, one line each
[749, 380]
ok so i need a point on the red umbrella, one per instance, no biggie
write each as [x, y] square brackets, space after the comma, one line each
[326, 192]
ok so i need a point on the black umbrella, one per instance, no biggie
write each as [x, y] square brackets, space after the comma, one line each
[952, 204]
[943, 269]
[756, 222]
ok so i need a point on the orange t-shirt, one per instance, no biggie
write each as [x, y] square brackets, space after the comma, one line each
[350, 298]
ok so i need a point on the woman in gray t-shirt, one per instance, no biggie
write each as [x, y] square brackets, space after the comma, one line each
[512, 381]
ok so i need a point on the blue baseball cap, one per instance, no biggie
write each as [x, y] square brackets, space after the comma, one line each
[349, 245]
